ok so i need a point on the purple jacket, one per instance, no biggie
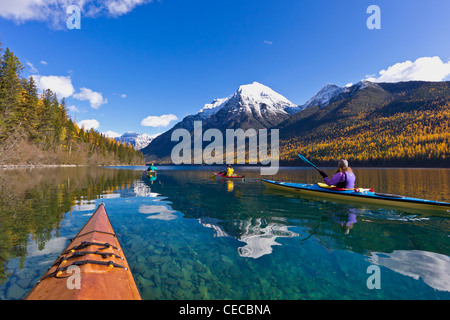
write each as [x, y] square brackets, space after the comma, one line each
[338, 177]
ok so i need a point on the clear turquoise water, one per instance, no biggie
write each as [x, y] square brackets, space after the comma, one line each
[187, 236]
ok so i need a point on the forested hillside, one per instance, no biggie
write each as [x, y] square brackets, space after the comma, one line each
[370, 124]
[403, 124]
[35, 128]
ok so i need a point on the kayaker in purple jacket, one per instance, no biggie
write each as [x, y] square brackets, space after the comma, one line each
[343, 178]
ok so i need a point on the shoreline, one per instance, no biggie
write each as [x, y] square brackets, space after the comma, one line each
[300, 166]
[27, 166]
[30, 166]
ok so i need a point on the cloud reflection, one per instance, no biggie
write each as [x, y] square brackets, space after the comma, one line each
[261, 237]
[432, 267]
[159, 212]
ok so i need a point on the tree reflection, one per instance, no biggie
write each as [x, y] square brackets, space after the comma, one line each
[33, 202]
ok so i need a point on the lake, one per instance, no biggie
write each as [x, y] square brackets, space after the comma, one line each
[187, 236]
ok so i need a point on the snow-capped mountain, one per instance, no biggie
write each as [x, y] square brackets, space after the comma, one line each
[256, 94]
[255, 106]
[324, 96]
[139, 141]
[252, 105]
[250, 97]
[211, 108]
[331, 93]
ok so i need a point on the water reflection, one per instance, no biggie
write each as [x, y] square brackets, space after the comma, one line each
[141, 189]
[213, 224]
[33, 203]
[257, 225]
[159, 212]
[52, 246]
[433, 268]
[346, 221]
[191, 237]
[260, 236]
[242, 213]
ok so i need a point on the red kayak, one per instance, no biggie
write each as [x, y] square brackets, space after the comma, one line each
[224, 176]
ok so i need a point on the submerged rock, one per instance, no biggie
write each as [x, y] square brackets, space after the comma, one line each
[15, 292]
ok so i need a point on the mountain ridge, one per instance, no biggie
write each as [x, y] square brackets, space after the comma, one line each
[331, 107]
[138, 140]
[404, 123]
[251, 106]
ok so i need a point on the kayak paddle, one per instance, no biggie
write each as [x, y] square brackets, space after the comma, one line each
[308, 162]
[323, 174]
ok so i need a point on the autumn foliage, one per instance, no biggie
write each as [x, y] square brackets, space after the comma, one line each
[36, 129]
[411, 128]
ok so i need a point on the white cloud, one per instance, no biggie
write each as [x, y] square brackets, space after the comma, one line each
[63, 88]
[123, 95]
[44, 62]
[111, 134]
[425, 69]
[73, 108]
[19, 10]
[95, 98]
[158, 121]
[88, 124]
[268, 42]
[32, 68]
[60, 85]
[54, 11]
[120, 7]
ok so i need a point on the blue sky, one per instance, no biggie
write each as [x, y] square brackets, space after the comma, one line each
[133, 59]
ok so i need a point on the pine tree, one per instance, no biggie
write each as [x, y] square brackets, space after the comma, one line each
[46, 125]
[10, 91]
[26, 116]
[29, 106]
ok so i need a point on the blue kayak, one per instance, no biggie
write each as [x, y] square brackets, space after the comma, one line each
[359, 195]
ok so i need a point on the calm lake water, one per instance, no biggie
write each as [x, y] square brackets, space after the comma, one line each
[187, 236]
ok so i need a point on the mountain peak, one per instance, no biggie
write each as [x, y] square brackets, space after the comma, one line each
[139, 141]
[254, 88]
[324, 96]
[130, 134]
[250, 96]
[211, 108]
[259, 92]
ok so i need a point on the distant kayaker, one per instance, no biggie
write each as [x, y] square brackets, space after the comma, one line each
[343, 178]
[228, 171]
[152, 168]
